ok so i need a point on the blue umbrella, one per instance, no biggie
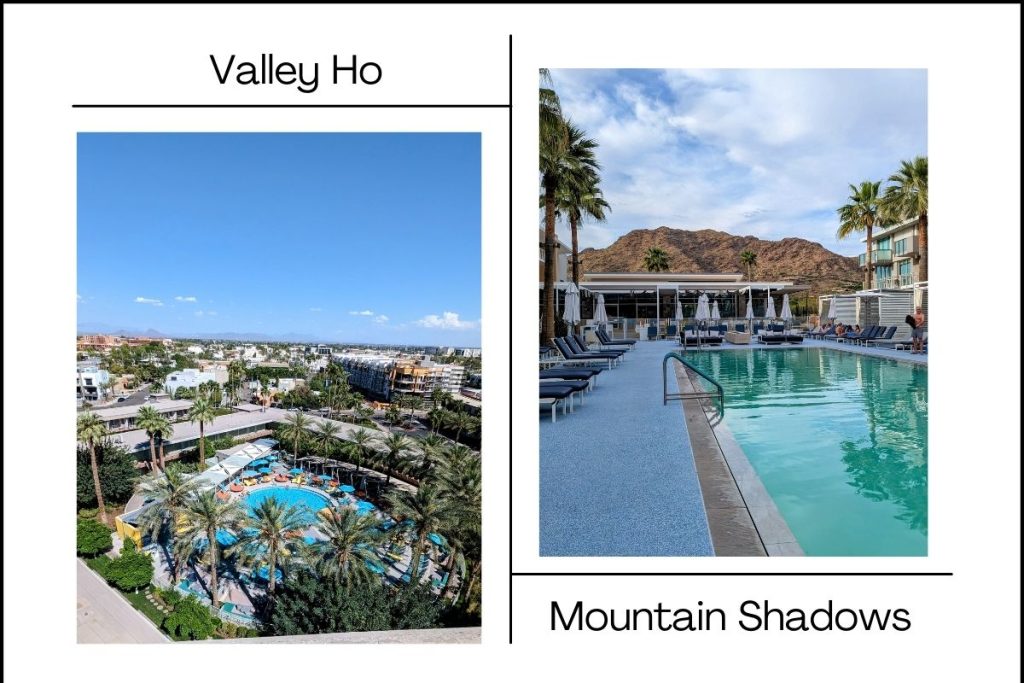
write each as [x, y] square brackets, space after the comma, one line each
[345, 488]
[224, 537]
[263, 573]
[264, 470]
[436, 539]
[271, 458]
[248, 474]
[295, 470]
[310, 540]
[373, 567]
[258, 463]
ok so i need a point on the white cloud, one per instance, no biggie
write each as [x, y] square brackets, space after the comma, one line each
[151, 302]
[446, 321]
[315, 309]
[366, 313]
[186, 299]
[381, 319]
[200, 314]
[78, 298]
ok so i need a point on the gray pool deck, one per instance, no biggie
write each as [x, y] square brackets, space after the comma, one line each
[617, 476]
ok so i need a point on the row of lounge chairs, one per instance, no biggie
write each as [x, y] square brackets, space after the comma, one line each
[716, 334]
[876, 335]
[577, 369]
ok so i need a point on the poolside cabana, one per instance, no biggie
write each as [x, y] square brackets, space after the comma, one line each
[235, 463]
[211, 478]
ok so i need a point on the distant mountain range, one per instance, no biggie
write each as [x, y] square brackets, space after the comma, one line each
[714, 251]
[100, 328]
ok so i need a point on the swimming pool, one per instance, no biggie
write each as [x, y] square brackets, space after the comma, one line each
[290, 497]
[839, 440]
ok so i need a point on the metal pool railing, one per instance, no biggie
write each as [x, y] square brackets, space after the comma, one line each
[680, 396]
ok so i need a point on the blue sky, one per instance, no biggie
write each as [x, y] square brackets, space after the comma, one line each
[347, 237]
[764, 152]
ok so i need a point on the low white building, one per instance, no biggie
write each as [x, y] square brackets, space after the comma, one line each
[190, 378]
[195, 349]
[91, 380]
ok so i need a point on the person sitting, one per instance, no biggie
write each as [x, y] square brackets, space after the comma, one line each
[840, 330]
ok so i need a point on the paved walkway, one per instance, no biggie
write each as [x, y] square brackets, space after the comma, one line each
[617, 477]
[106, 617]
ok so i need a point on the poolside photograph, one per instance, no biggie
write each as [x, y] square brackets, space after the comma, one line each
[278, 387]
[733, 312]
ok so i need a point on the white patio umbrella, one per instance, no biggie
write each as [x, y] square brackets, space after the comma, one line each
[750, 308]
[714, 312]
[702, 313]
[831, 309]
[785, 314]
[600, 315]
[571, 314]
[769, 309]
[679, 310]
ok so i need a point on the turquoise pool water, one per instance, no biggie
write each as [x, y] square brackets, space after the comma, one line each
[312, 501]
[839, 440]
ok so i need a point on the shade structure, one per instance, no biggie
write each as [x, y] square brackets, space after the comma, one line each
[264, 470]
[785, 313]
[571, 313]
[345, 488]
[271, 458]
[262, 462]
[600, 315]
[714, 312]
[210, 478]
[769, 308]
[249, 474]
[831, 309]
[263, 574]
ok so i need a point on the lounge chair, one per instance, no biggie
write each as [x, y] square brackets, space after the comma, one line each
[671, 331]
[552, 395]
[570, 357]
[576, 347]
[652, 332]
[605, 339]
[581, 384]
[582, 343]
[571, 373]
[882, 340]
[740, 327]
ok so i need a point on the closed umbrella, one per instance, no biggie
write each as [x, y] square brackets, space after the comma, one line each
[702, 313]
[769, 309]
[785, 314]
[679, 309]
[571, 314]
[715, 317]
[750, 308]
[600, 315]
[831, 309]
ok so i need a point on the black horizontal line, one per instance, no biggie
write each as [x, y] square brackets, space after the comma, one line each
[732, 573]
[291, 106]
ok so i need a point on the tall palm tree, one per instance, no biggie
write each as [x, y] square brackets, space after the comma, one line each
[554, 146]
[200, 520]
[351, 545]
[860, 213]
[438, 397]
[749, 259]
[413, 403]
[164, 431]
[168, 492]
[462, 422]
[92, 430]
[275, 526]
[578, 195]
[392, 414]
[396, 446]
[359, 443]
[906, 198]
[433, 446]
[203, 413]
[325, 437]
[149, 420]
[428, 514]
[295, 427]
[656, 260]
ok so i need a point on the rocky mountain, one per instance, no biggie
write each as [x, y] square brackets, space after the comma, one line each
[714, 251]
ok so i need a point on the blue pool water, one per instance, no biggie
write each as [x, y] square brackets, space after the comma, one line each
[839, 440]
[312, 501]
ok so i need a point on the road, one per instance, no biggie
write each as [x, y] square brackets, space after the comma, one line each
[136, 399]
[106, 617]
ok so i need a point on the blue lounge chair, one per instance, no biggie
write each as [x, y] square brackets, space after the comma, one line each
[582, 344]
[740, 327]
[606, 339]
[572, 357]
[670, 331]
[552, 396]
[578, 347]
[571, 373]
[652, 332]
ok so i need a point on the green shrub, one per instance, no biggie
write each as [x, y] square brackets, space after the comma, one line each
[93, 538]
[117, 471]
[190, 619]
[88, 513]
[131, 570]
[169, 596]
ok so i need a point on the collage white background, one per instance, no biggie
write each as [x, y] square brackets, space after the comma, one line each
[966, 625]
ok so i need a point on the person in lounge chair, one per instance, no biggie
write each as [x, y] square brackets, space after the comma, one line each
[840, 330]
[918, 334]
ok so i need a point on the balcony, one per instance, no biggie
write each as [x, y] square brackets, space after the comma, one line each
[879, 257]
[905, 247]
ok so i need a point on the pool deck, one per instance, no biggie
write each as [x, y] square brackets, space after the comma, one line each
[617, 477]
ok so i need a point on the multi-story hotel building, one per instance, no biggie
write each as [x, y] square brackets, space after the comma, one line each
[895, 256]
[387, 377]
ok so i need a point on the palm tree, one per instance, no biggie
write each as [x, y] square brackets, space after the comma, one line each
[553, 162]
[201, 412]
[168, 492]
[164, 431]
[413, 403]
[432, 446]
[428, 514]
[906, 198]
[351, 545]
[201, 518]
[578, 195]
[92, 430]
[392, 413]
[462, 422]
[325, 437]
[656, 260]
[294, 429]
[396, 445]
[150, 421]
[861, 213]
[438, 397]
[275, 526]
[749, 259]
[358, 444]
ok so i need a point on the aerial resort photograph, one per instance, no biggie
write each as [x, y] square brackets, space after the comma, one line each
[733, 312]
[278, 387]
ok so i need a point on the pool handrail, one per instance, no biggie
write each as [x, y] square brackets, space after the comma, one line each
[666, 397]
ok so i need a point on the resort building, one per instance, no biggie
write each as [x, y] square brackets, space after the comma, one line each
[562, 255]
[190, 378]
[122, 418]
[219, 370]
[92, 382]
[895, 256]
[387, 376]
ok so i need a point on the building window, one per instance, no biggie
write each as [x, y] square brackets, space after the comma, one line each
[905, 267]
[88, 381]
[883, 243]
[901, 246]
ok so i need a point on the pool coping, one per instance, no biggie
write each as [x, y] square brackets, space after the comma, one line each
[742, 516]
